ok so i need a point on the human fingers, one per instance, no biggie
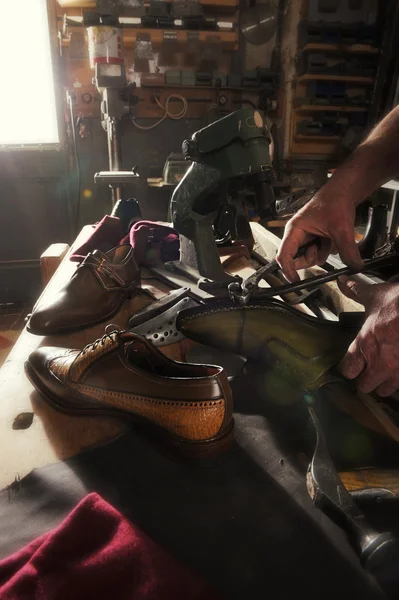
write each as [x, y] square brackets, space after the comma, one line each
[353, 362]
[356, 290]
[293, 238]
[344, 240]
[388, 387]
[316, 254]
[374, 375]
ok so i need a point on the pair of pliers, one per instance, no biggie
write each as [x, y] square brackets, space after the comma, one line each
[241, 293]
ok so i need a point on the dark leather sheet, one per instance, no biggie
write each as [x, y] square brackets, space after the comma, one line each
[243, 521]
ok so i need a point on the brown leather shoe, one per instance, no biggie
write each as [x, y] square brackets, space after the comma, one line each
[93, 294]
[123, 375]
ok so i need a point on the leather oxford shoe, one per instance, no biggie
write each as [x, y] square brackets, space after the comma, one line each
[93, 294]
[296, 347]
[123, 375]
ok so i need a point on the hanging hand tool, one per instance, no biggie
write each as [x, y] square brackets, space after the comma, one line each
[241, 293]
[241, 296]
[379, 552]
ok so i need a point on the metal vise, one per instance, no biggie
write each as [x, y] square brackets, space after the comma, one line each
[230, 161]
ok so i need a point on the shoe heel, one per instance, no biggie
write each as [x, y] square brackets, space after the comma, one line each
[182, 450]
[205, 450]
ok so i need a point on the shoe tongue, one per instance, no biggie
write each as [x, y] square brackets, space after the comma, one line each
[138, 351]
[133, 340]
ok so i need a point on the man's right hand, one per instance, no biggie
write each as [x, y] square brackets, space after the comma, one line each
[328, 216]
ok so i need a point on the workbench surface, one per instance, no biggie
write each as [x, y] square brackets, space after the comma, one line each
[52, 435]
[244, 521]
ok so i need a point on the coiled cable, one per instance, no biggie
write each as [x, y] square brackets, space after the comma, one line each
[176, 116]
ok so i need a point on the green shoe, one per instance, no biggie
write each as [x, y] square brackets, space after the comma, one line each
[298, 350]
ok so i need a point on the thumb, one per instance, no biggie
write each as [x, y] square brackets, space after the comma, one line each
[347, 248]
[355, 290]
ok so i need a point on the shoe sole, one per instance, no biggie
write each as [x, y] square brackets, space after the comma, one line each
[160, 438]
[129, 294]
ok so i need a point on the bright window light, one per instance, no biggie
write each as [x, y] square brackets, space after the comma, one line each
[27, 99]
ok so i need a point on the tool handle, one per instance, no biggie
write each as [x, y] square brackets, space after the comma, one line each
[316, 241]
[317, 280]
[381, 559]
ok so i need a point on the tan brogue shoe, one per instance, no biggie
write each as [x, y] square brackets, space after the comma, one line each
[123, 375]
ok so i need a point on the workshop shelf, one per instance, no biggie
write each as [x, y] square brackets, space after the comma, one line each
[325, 107]
[342, 78]
[336, 63]
[228, 38]
[157, 36]
[199, 87]
[317, 138]
[92, 3]
[341, 48]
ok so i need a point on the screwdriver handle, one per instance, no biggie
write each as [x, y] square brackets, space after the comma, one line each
[381, 559]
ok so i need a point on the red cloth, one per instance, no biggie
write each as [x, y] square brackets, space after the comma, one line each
[105, 235]
[96, 553]
[153, 243]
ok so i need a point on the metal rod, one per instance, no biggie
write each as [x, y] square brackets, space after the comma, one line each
[114, 154]
[313, 282]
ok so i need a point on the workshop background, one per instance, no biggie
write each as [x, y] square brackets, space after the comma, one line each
[323, 71]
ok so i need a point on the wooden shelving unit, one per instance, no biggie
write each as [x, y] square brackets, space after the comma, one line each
[92, 3]
[341, 48]
[229, 39]
[317, 138]
[323, 107]
[311, 87]
[338, 78]
[198, 87]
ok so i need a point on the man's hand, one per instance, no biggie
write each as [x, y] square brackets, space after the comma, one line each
[328, 216]
[373, 357]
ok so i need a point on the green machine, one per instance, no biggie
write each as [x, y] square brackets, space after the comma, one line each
[231, 170]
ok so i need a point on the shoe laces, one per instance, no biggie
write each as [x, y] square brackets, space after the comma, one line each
[109, 331]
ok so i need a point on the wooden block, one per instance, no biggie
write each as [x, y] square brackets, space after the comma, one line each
[277, 224]
[371, 478]
[51, 259]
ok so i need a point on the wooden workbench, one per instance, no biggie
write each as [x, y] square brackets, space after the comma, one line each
[53, 436]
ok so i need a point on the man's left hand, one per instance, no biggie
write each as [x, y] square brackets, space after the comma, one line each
[373, 357]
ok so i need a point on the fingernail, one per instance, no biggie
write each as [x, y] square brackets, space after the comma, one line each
[292, 277]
